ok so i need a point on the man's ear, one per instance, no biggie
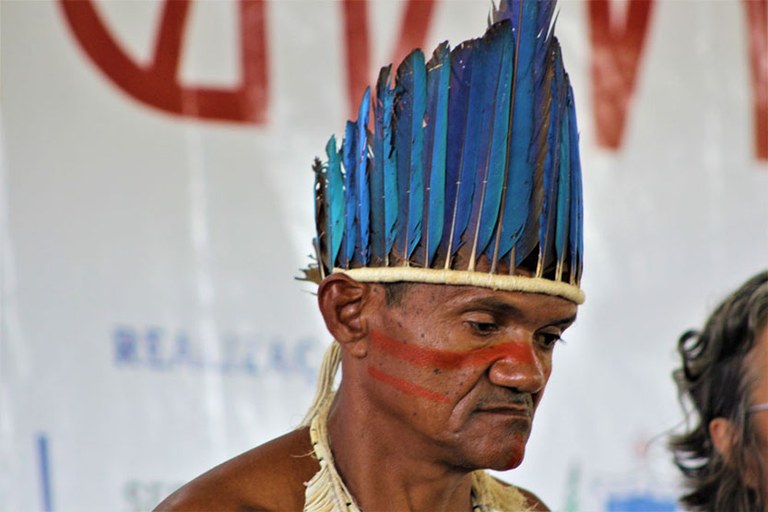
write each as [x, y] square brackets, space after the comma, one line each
[722, 433]
[342, 301]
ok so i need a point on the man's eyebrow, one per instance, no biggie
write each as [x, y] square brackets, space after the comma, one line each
[565, 321]
[493, 306]
[506, 309]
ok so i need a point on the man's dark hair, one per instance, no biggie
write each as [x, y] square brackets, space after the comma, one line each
[395, 292]
[715, 380]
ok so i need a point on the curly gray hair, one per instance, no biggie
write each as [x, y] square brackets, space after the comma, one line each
[714, 378]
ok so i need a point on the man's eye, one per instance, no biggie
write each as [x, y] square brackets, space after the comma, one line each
[548, 339]
[484, 327]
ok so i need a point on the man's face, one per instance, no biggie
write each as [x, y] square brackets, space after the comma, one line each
[463, 369]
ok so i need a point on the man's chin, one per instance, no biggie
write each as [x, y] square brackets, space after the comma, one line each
[501, 457]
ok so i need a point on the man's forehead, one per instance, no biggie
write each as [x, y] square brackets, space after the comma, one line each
[457, 297]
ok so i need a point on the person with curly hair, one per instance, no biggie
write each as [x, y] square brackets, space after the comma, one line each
[724, 375]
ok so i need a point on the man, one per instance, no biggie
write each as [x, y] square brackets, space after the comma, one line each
[449, 255]
[724, 456]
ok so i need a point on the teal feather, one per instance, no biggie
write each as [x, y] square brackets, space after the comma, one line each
[361, 168]
[435, 146]
[334, 202]
[386, 96]
[416, 189]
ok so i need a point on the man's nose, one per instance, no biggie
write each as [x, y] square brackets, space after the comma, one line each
[519, 368]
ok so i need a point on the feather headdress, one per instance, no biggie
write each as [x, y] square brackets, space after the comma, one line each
[467, 172]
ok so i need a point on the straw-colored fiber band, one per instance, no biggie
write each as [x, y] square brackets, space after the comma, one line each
[465, 278]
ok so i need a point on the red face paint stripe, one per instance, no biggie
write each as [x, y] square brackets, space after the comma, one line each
[450, 360]
[407, 387]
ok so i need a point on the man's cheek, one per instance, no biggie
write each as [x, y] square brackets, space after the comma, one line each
[408, 386]
[417, 371]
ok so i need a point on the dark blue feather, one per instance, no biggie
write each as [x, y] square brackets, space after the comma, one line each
[509, 10]
[562, 228]
[519, 177]
[539, 151]
[416, 189]
[482, 101]
[458, 104]
[577, 214]
[321, 219]
[402, 141]
[435, 143]
[475, 137]
[552, 164]
[409, 116]
[361, 167]
[350, 194]
[376, 174]
[334, 207]
[495, 168]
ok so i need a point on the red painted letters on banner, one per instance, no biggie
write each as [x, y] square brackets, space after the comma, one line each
[616, 54]
[418, 14]
[157, 84]
[757, 22]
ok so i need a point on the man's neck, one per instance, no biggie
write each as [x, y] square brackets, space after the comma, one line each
[383, 471]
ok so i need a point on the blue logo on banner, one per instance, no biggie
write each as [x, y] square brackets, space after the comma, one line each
[158, 349]
[45, 472]
[640, 503]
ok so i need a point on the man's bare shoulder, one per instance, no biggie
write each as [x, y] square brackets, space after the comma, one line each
[268, 477]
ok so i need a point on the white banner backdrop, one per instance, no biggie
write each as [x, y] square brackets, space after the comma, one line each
[151, 326]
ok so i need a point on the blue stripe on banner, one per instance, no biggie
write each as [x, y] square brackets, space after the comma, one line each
[45, 472]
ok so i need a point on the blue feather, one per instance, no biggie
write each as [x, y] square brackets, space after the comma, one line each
[552, 164]
[409, 116]
[497, 148]
[539, 149]
[435, 140]
[562, 230]
[577, 213]
[334, 207]
[402, 141]
[350, 194]
[416, 190]
[518, 180]
[361, 167]
[376, 174]
[321, 218]
[482, 99]
[391, 197]
[458, 104]
[471, 152]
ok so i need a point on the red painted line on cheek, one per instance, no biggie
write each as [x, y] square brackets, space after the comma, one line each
[451, 360]
[407, 387]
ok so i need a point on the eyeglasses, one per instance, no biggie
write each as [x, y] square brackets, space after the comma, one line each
[758, 407]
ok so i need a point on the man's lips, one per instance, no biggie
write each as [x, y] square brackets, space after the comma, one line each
[508, 410]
